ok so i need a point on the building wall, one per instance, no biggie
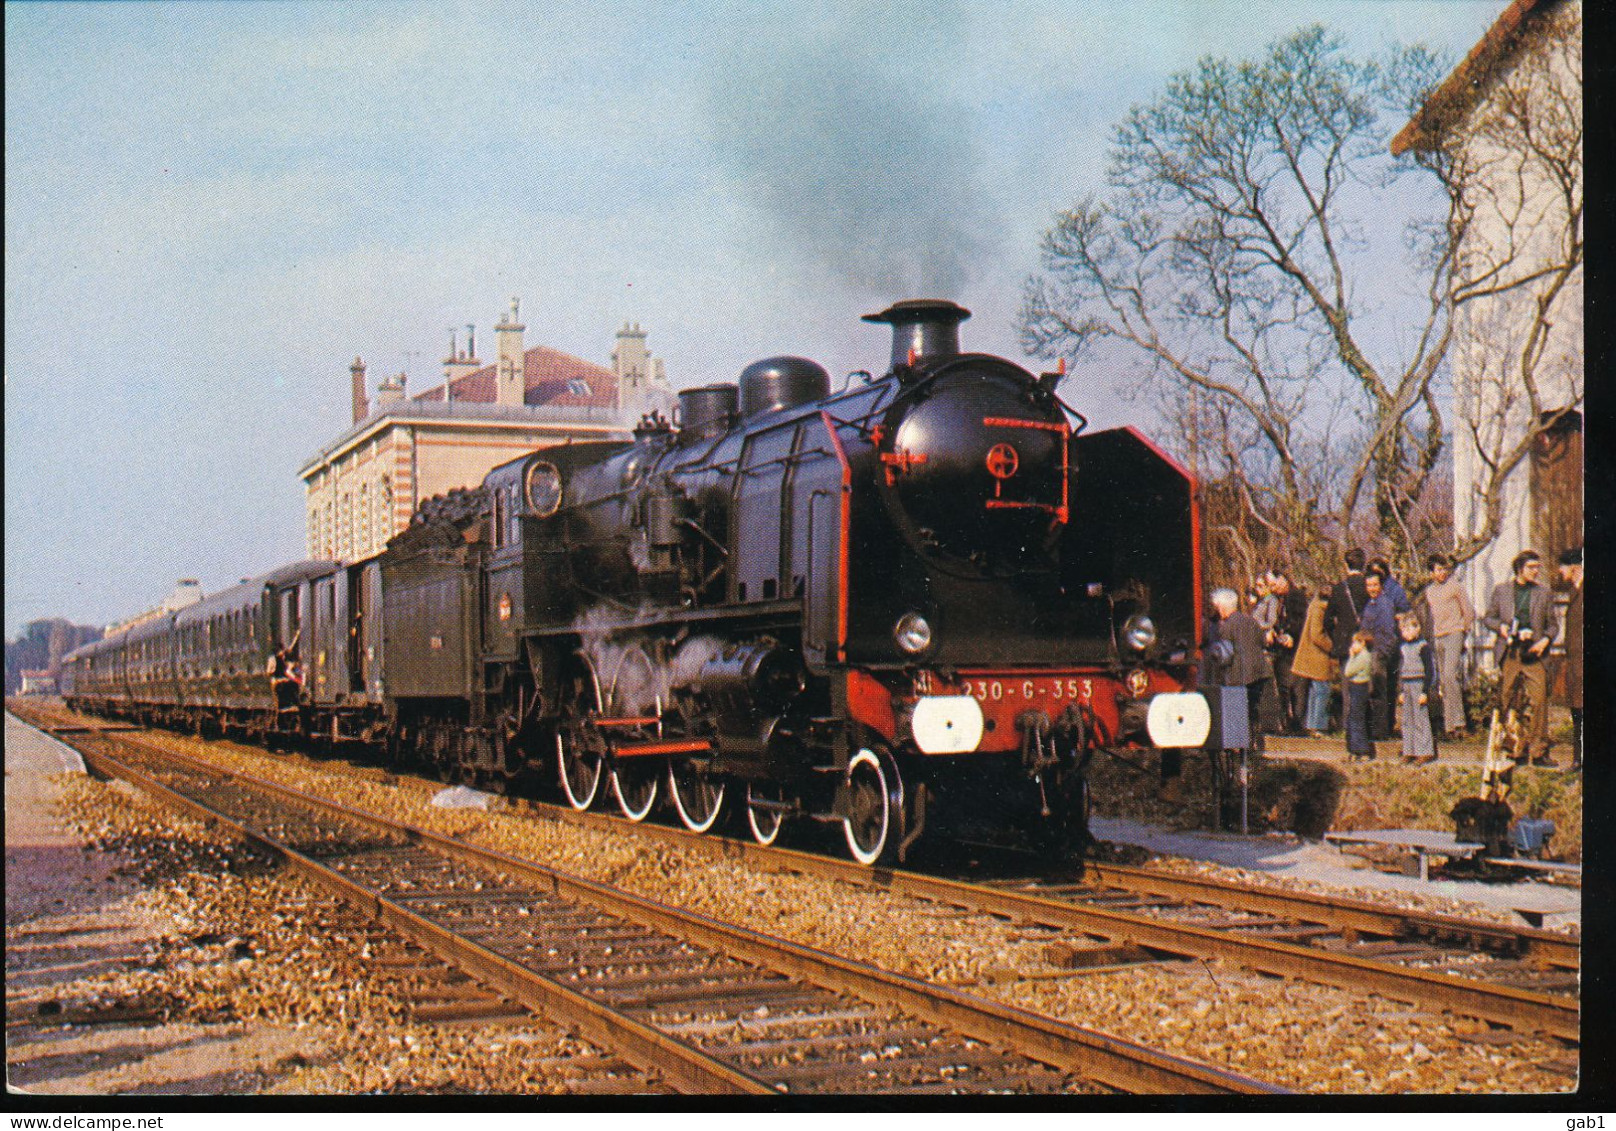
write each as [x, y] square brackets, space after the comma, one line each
[360, 496]
[365, 488]
[1518, 228]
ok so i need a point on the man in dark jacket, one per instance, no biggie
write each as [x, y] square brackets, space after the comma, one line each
[1394, 588]
[1380, 619]
[1282, 640]
[1242, 663]
[1347, 600]
[1571, 578]
[1521, 614]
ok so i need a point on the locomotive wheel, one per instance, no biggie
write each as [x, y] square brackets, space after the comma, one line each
[697, 797]
[580, 763]
[874, 802]
[580, 770]
[635, 781]
[633, 691]
[764, 821]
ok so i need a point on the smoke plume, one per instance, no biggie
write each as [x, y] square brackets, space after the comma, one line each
[861, 168]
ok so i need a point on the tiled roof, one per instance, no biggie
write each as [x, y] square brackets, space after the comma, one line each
[1459, 91]
[549, 377]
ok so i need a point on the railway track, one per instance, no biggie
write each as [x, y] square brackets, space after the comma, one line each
[1520, 978]
[697, 1004]
[1515, 977]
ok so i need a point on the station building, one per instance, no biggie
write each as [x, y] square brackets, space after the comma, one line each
[187, 592]
[363, 489]
[38, 683]
[1510, 118]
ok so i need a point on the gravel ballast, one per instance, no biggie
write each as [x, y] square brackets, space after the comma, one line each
[1302, 1036]
[187, 962]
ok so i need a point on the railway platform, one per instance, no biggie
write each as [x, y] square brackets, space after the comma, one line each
[74, 921]
[1533, 903]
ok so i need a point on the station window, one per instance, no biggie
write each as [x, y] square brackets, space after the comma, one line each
[384, 509]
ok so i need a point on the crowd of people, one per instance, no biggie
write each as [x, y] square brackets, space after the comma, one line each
[1367, 658]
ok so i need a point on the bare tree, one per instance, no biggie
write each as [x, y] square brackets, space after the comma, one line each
[1232, 256]
[1514, 157]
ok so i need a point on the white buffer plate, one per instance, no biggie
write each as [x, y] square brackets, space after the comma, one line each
[1179, 719]
[947, 724]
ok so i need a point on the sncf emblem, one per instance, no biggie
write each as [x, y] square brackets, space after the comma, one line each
[1003, 460]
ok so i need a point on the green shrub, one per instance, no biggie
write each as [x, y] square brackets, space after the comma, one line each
[1481, 696]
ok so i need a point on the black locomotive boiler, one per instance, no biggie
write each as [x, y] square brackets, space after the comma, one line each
[918, 605]
[920, 601]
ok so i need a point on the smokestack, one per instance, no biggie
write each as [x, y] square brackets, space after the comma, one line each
[923, 329]
[361, 407]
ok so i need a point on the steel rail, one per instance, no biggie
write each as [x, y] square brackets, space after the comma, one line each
[1105, 1059]
[681, 1065]
[1556, 1015]
[1507, 1005]
[1548, 947]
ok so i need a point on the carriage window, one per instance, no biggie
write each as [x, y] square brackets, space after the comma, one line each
[289, 616]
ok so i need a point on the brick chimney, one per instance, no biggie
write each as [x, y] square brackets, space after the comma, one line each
[390, 391]
[361, 407]
[460, 362]
[636, 369]
[510, 374]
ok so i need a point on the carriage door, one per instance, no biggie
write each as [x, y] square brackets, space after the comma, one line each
[358, 670]
[323, 622]
[370, 627]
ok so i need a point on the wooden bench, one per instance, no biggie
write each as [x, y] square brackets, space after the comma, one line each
[1418, 844]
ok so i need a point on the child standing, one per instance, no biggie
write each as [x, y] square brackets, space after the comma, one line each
[1359, 672]
[1418, 674]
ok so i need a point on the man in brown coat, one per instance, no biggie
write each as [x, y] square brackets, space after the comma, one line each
[1521, 614]
[1571, 578]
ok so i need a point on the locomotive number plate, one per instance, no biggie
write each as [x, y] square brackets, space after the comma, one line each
[1032, 689]
[1071, 688]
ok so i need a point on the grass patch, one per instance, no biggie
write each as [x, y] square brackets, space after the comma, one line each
[1310, 798]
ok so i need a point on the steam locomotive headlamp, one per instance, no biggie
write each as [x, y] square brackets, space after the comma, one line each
[912, 633]
[1139, 633]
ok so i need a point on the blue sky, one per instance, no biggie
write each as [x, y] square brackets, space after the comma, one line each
[213, 207]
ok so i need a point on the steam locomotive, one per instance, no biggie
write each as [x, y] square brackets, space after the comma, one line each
[919, 605]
